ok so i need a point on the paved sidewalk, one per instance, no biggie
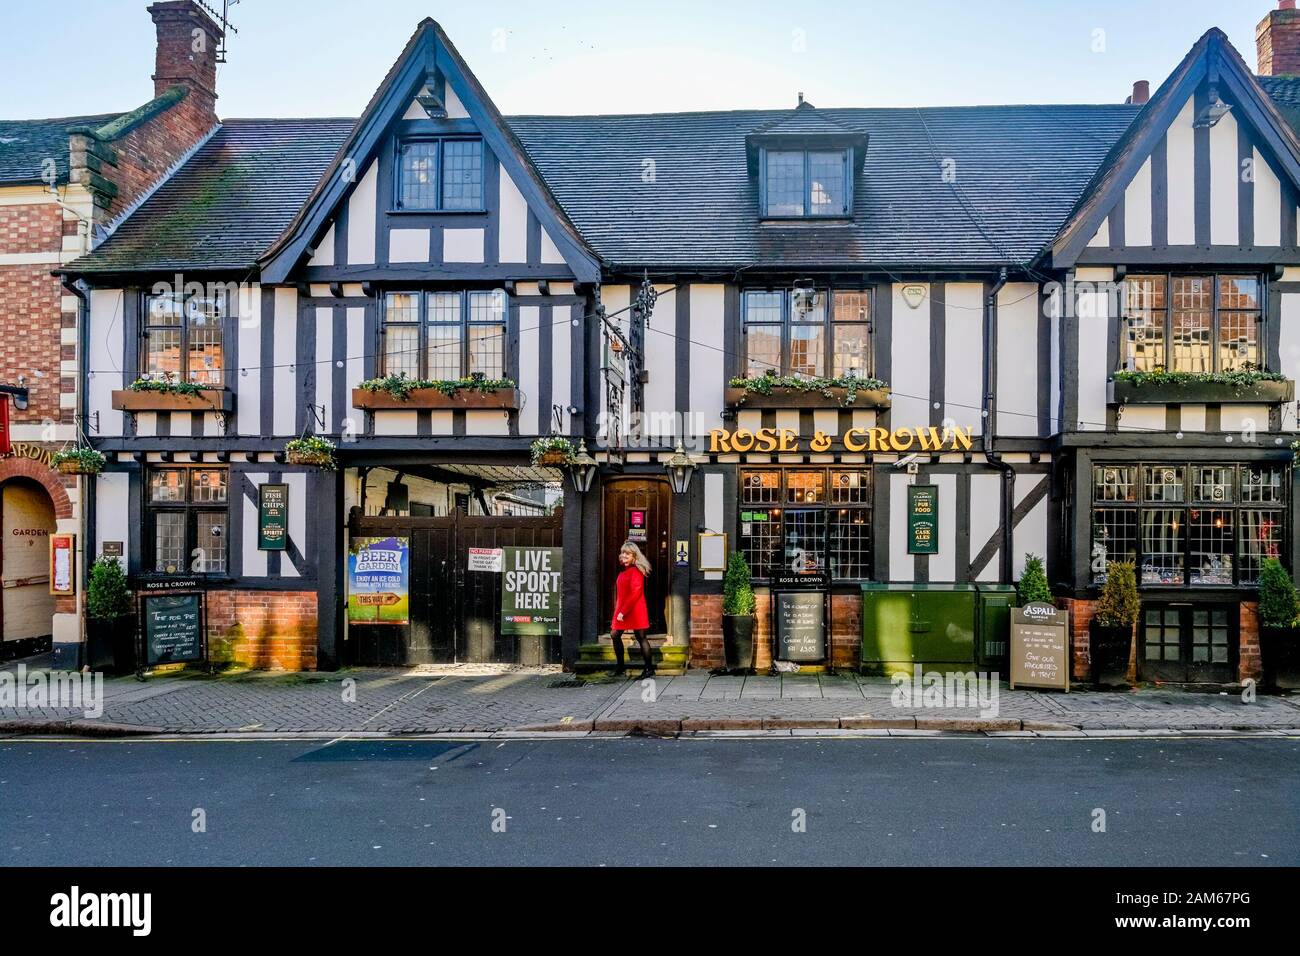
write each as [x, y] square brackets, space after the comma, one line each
[470, 699]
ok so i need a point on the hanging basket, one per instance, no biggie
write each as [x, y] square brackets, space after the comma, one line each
[553, 459]
[316, 459]
[75, 467]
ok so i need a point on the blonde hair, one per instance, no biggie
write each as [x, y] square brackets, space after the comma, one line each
[639, 560]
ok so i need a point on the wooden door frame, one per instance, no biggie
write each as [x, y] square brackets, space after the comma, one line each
[606, 486]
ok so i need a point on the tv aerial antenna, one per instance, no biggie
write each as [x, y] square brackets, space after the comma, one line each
[223, 19]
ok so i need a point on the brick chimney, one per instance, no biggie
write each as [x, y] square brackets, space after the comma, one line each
[1277, 40]
[1141, 92]
[188, 39]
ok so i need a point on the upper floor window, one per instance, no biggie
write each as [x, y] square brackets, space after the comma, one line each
[182, 338]
[1192, 323]
[440, 175]
[814, 333]
[444, 335]
[803, 183]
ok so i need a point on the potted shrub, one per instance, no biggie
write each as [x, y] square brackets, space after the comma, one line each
[738, 615]
[1113, 637]
[79, 461]
[1032, 587]
[553, 451]
[311, 450]
[1279, 642]
[110, 643]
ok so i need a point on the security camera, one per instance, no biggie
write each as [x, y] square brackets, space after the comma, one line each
[908, 462]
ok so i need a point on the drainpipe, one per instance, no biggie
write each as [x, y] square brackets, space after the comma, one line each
[1006, 562]
[85, 501]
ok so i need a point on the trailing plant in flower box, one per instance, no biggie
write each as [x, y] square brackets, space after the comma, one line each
[1160, 376]
[401, 386]
[553, 450]
[311, 450]
[79, 461]
[767, 384]
[166, 386]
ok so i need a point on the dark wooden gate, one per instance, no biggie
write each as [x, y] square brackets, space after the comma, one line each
[454, 611]
[1185, 643]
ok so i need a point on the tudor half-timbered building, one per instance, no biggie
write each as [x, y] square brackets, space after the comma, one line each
[979, 295]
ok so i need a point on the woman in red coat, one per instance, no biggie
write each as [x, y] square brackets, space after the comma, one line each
[630, 612]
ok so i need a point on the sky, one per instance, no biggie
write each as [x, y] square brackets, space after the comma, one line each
[326, 57]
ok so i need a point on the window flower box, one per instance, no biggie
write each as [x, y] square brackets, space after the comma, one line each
[1163, 388]
[784, 392]
[398, 392]
[145, 396]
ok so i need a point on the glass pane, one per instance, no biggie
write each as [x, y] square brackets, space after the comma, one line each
[1214, 483]
[208, 485]
[805, 540]
[1261, 537]
[1162, 483]
[487, 333]
[760, 487]
[1261, 483]
[418, 173]
[760, 539]
[1211, 538]
[169, 542]
[167, 485]
[444, 335]
[852, 351]
[164, 310]
[805, 487]
[1162, 546]
[1144, 322]
[462, 174]
[210, 546]
[1239, 293]
[850, 487]
[402, 350]
[807, 350]
[205, 316]
[763, 349]
[1192, 324]
[852, 306]
[826, 172]
[1239, 341]
[1114, 483]
[1114, 538]
[785, 192]
[851, 543]
[162, 359]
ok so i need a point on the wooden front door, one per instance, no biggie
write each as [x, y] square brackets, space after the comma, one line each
[1188, 644]
[637, 508]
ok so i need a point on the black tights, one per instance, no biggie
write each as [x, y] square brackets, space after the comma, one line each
[616, 638]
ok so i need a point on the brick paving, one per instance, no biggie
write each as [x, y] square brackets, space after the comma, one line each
[487, 700]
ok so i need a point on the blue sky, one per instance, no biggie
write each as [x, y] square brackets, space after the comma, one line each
[325, 57]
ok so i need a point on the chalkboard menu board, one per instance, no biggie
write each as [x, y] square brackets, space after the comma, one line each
[800, 625]
[173, 628]
[1040, 646]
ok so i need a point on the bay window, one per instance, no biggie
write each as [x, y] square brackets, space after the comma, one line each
[799, 183]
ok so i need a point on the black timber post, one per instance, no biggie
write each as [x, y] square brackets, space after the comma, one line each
[325, 506]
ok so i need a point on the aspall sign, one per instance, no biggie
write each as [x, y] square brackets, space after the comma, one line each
[787, 440]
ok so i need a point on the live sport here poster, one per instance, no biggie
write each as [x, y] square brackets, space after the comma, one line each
[379, 572]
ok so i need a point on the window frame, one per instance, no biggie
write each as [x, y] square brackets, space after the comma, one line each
[146, 327]
[828, 506]
[1142, 502]
[191, 510]
[440, 142]
[829, 326]
[847, 184]
[466, 322]
[1167, 328]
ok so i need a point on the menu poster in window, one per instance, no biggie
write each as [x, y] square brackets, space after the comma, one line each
[1040, 646]
[378, 580]
[922, 519]
[173, 628]
[800, 626]
[63, 549]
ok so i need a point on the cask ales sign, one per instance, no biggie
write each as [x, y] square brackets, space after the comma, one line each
[1040, 646]
[922, 519]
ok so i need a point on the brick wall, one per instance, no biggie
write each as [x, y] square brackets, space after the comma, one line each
[271, 630]
[1249, 666]
[706, 631]
[1081, 613]
[29, 308]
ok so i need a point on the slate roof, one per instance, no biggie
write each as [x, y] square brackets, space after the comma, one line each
[1284, 91]
[26, 144]
[228, 203]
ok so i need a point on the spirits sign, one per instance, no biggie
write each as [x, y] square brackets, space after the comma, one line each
[922, 519]
[272, 517]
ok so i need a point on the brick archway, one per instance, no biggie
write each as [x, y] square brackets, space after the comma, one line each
[49, 480]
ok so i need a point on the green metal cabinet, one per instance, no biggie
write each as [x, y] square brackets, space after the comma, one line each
[935, 624]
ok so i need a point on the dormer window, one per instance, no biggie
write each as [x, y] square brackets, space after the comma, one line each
[440, 175]
[805, 183]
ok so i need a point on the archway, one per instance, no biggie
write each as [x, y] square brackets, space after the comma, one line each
[27, 519]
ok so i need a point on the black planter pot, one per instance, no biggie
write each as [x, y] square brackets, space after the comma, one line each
[1279, 652]
[110, 645]
[1109, 648]
[738, 642]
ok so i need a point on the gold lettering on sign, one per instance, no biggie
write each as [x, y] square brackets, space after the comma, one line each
[21, 449]
[929, 438]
